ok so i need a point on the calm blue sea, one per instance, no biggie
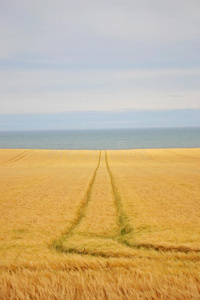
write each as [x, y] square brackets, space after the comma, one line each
[102, 139]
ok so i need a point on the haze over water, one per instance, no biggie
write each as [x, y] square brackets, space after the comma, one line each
[101, 139]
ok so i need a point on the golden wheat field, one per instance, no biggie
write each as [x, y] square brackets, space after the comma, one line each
[100, 224]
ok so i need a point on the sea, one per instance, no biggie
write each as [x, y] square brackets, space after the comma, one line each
[102, 139]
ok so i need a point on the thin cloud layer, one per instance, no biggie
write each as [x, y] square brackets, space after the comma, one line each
[58, 56]
[54, 91]
[134, 31]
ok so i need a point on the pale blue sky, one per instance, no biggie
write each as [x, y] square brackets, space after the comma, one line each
[68, 56]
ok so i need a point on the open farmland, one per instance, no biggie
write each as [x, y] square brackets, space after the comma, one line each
[100, 224]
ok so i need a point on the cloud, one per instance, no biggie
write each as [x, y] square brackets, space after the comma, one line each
[48, 91]
[59, 31]
[58, 56]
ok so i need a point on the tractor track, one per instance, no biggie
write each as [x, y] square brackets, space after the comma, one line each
[17, 157]
[126, 231]
[180, 154]
[57, 244]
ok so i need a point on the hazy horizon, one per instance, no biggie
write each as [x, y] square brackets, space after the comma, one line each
[124, 119]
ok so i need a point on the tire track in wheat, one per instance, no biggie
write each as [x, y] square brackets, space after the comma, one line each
[125, 236]
[124, 224]
[91, 243]
[57, 244]
[180, 154]
[127, 230]
[17, 158]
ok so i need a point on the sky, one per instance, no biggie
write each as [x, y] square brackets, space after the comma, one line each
[84, 58]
